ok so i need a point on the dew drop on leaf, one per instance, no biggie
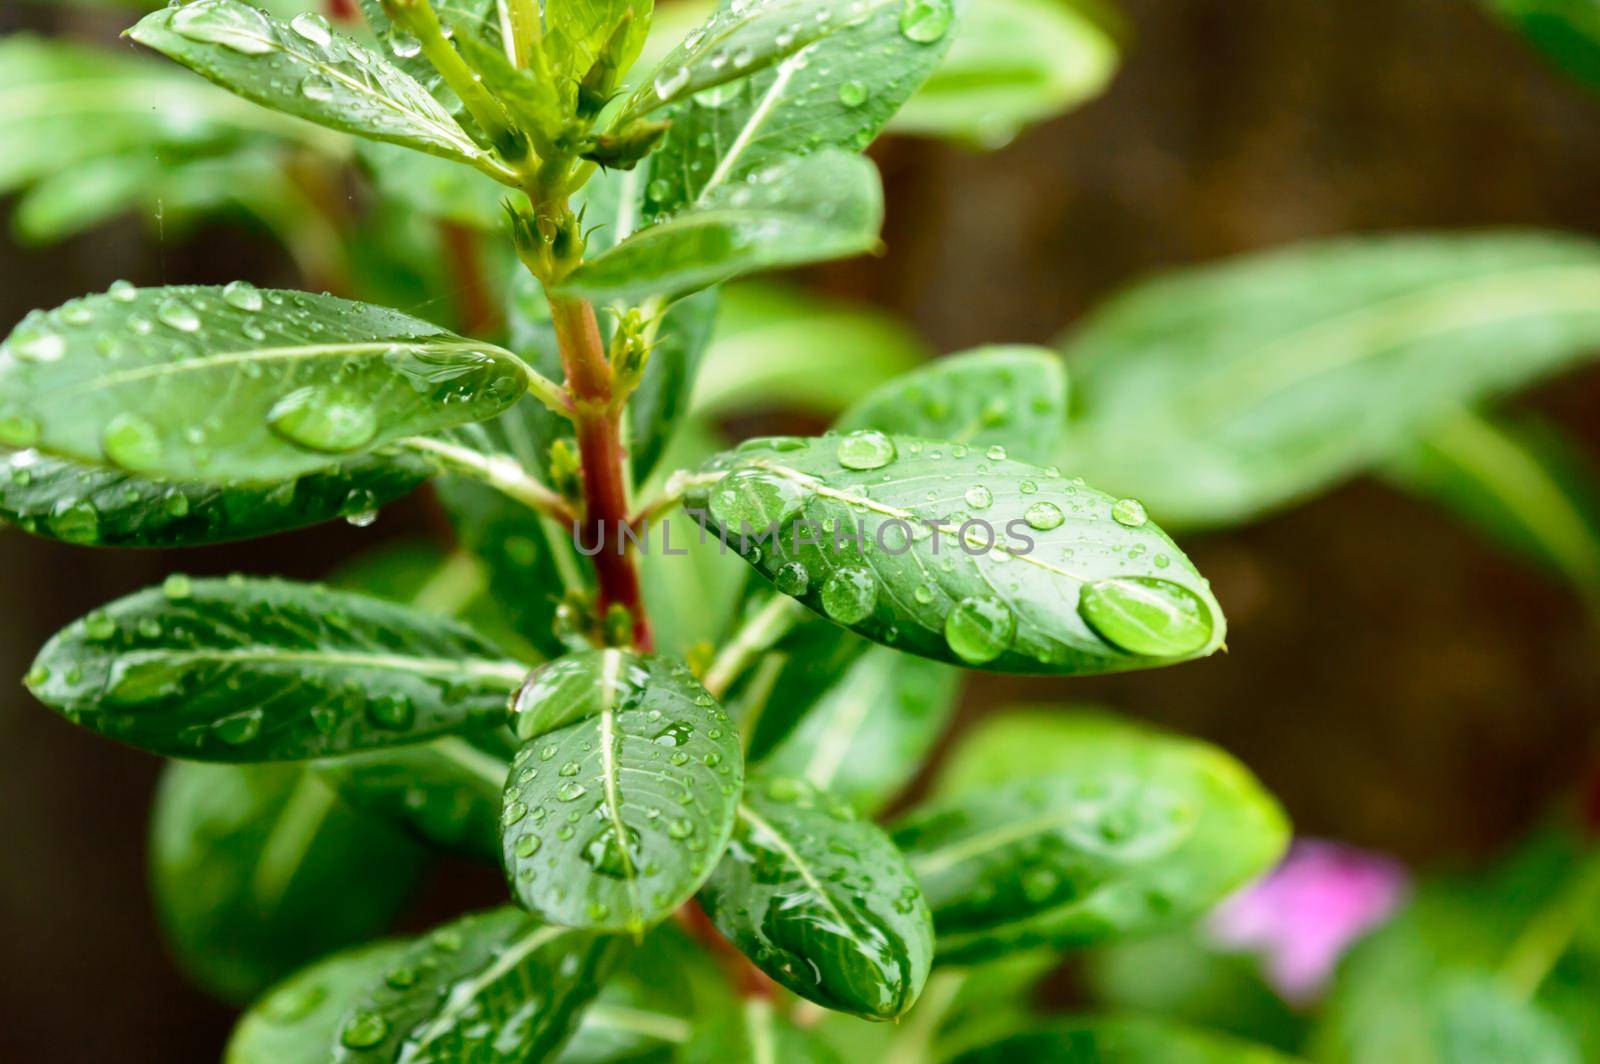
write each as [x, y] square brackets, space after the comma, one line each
[364, 1030]
[239, 729]
[1129, 512]
[122, 291]
[849, 595]
[242, 295]
[179, 315]
[1043, 516]
[979, 497]
[131, 442]
[403, 44]
[320, 418]
[1146, 615]
[235, 26]
[34, 341]
[755, 498]
[177, 587]
[313, 27]
[317, 88]
[979, 629]
[926, 21]
[18, 430]
[792, 579]
[852, 93]
[867, 449]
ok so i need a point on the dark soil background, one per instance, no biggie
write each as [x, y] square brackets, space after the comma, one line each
[1398, 682]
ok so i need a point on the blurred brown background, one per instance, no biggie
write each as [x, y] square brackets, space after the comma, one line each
[1395, 680]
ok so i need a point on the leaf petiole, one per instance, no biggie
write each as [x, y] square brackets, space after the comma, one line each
[500, 472]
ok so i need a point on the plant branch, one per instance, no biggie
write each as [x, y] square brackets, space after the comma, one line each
[757, 634]
[418, 18]
[500, 472]
[670, 495]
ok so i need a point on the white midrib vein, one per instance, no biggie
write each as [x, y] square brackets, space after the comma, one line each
[769, 100]
[799, 863]
[608, 770]
[509, 671]
[940, 859]
[467, 991]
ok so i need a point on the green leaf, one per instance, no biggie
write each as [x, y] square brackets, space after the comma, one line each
[1521, 483]
[752, 1031]
[1013, 63]
[446, 792]
[97, 506]
[865, 738]
[577, 31]
[796, 211]
[650, 763]
[1120, 1040]
[1014, 396]
[780, 347]
[843, 67]
[307, 70]
[1566, 31]
[237, 384]
[433, 999]
[434, 186]
[298, 1022]
[961, 555]
[405, 52]
[1225, 391]
[265, 670]
[258, 869]
[822, 902]
[1129, 831]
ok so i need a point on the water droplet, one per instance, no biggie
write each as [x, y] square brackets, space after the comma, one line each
[122, 292]
[75, 521]
[35, 341]
[239, 729]
[99, 626]
[670, 82]
[570, 791]
[659, 189]
[852, 93]
[1129, 512]
[606, 854]
[179, 315]
[792, 579]
[403, 44]
[926, 21]
[391, 711]
[680, 828]
[317, 88]
[1146, 615]
[527, 845]
[867, 449]
[76, 314]
[313, 27]
[177, 586]
[1043, 516]
[364, 1030]
[235, 26]
[18, 430]
[513, 813]
[322, 418]
[132, 443]
[243, 295]
[979, 629]
[979, 497]
[755, 498]
[849, 595]
[403, 978]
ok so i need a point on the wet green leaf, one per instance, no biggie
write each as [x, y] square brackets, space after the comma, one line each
[961, 554]
[1221, 392]
[1566, 31]
[778, 80]
[1013, 63]
[869, 733]
[623, 794]
[304, 68]
[1120, 1040]
[497, 987]
[1013, 396]
[257, 869]
[1108, 831]
[577, 31]
[265, 670]
[237, 384]
[795, 211]
[752, 1031]
[435, 187]
[405, 51]
[104, 507]
[822, 901]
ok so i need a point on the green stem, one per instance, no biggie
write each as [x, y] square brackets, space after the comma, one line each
[419, 19]
[1546, 938]
[753, 638]
[500, 472]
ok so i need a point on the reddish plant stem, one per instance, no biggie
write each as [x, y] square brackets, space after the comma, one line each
[747, 979]
[600, 451]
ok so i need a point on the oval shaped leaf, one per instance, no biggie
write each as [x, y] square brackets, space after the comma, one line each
[257, 869]
[822, 901]
[237, 384]
[1220, 392]
[306, 69]
[623, 796]
[1120, 1040]
[103, 507]
[298, 1021]
[824, 206]
[264, 670]
[961, 555]
[867, 736]
[1012, 396]
[1129, 831]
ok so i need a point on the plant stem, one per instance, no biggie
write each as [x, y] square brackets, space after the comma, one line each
[755, 636]
[599, 427]
[419, 18]
[499, 472]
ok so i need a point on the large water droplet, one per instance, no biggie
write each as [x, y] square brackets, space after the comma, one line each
[322, 418]
[792, 579]
[243, 295]
[849, 595]
[75, 521]
[313, 27]
[239, 729]
[233, 25]
[607, 855]
[1043, 516]
[364, 1030]
[853, 93]
[669, 82]
[926, 21]
[402, 43]
[122, 291]
[867, 449]
[979, 629]
[979, 497]
[18, 429]
[132, 443]
[179, 315]
[317, 88]
[1146, 615]
[35, 341]
[1129, 512]
[755, 498]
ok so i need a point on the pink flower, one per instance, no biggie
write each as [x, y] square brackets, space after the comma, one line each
[1308, 911]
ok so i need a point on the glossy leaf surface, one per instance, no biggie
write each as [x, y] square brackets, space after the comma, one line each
[298, 1021]
[264, 670]
[308, 70]
[869, 733]
[105, 507]
[257, 869]
[822, 901]
[753, 1031]
[237, 384]
[623, 795]
[1220, 392]
[961, 554]
[835, 91]
[1127, 831]
[795, 211]
[1012, 396]
[1120, 1040]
